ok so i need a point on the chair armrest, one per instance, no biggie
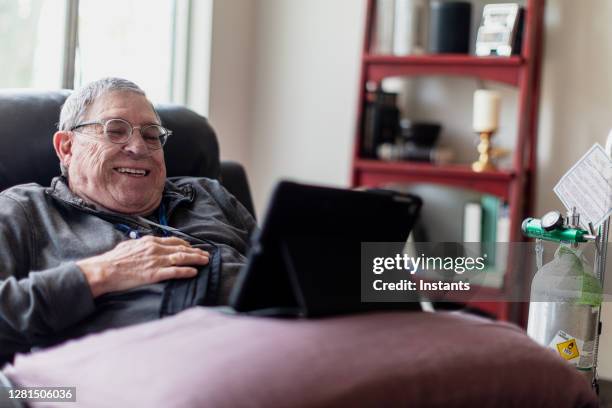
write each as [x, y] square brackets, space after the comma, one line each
[234, 179]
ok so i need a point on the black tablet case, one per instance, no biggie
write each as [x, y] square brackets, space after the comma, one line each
[305, 260]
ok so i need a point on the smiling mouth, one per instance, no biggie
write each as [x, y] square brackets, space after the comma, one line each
[128, 171]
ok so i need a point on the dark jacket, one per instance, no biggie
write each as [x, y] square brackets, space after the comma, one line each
[44, 297]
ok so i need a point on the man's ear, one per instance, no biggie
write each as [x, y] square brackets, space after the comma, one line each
[62, 142]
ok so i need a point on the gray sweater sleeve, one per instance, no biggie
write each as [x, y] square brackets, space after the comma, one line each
[33, 304]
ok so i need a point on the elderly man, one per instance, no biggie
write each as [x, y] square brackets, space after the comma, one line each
[112, 242]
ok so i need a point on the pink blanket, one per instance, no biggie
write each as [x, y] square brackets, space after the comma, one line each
[202, 358]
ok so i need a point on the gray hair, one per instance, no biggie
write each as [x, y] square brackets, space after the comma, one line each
[76, 105]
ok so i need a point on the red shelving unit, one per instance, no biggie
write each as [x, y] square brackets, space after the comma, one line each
[515, 185]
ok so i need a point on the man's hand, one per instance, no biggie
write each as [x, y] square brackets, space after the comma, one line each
[139, 262]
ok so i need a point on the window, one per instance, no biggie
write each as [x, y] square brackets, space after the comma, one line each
[162, 45]
[32, 44]
[128, 39]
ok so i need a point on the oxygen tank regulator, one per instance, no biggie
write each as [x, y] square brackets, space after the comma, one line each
[553, 226]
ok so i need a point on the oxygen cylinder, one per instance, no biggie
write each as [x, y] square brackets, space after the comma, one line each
[564, 306]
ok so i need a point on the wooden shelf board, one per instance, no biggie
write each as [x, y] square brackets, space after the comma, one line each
[452, 170]
[376, 172]
[501, 69]
[445, 59]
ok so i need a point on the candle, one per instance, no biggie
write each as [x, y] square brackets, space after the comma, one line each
[486, 110]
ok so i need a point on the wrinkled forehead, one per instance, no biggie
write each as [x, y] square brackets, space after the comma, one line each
[127, 105]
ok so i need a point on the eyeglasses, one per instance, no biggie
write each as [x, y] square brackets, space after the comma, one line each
[120, 131]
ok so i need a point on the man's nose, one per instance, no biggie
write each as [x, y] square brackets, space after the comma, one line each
[136, 145]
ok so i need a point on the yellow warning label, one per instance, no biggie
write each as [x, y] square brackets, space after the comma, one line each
[568, 349]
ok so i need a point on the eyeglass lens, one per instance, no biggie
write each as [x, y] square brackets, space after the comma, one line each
[119, 131]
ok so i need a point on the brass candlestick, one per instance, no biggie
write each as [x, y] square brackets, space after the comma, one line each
[487, 153]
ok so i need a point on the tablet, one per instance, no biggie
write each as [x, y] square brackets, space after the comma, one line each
[305, 259]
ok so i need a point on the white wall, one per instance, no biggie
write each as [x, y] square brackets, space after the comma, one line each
[283, 88]
[305, 98]
[231, 77]
[302, 57]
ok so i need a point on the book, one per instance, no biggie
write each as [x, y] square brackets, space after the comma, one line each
[502, 236]
[490, 206]
[495, 238]
[367, 142]
[472, 222]
[380, 121]
[472, 229]
[385, 19]
[406, 27]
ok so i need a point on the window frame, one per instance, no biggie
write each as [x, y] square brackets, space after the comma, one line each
[189, 81]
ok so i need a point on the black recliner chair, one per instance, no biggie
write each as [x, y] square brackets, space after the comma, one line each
[28, 119]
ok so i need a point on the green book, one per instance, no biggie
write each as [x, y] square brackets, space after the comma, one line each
[490, 214]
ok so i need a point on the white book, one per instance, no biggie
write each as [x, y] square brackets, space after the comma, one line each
[472, 222]
[385, 16]
[408, 14]
[503, 238]
[503, 224]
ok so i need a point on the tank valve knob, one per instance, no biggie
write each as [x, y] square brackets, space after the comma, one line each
[552, 220]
